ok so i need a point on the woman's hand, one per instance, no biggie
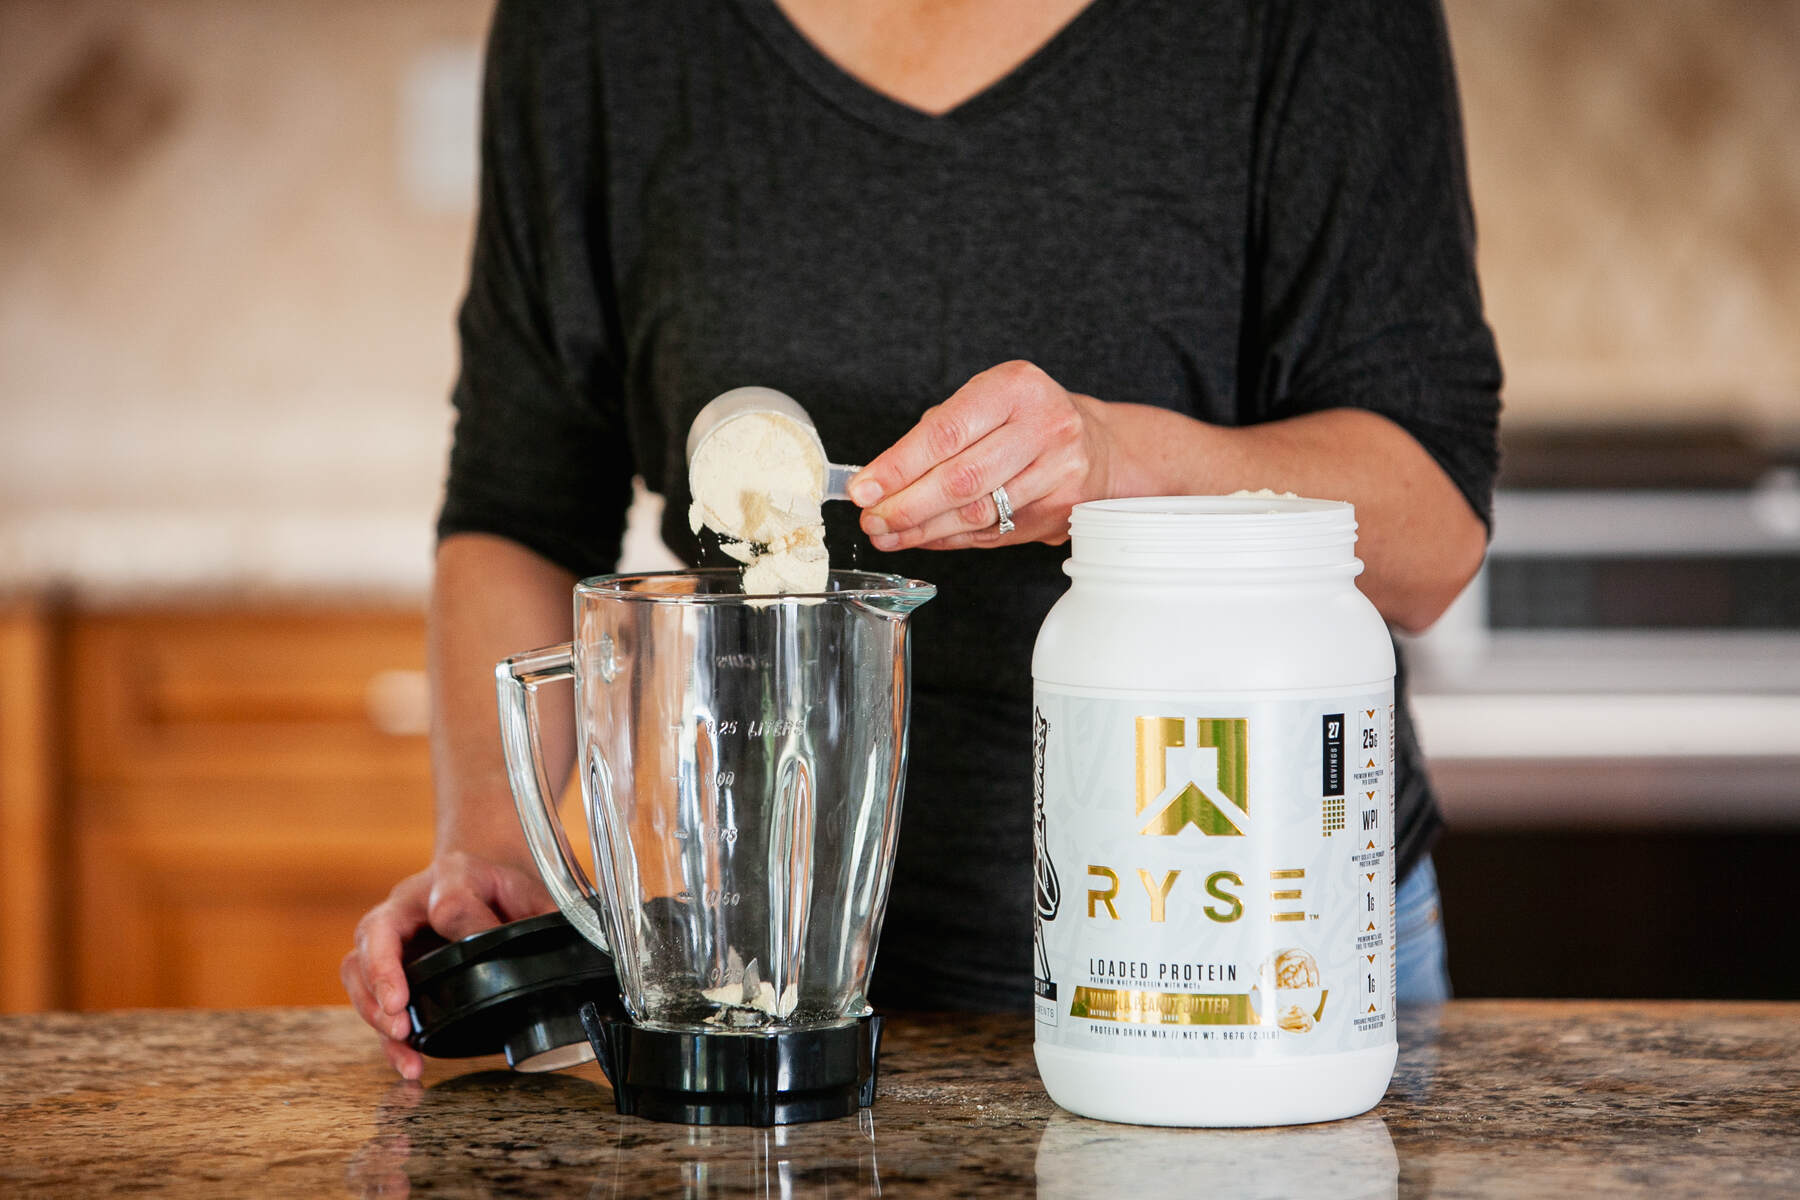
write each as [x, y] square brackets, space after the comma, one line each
[1052, 449]
[1011, 426]
[457, 895]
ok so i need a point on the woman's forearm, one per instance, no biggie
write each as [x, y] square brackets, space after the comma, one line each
[1014, 426]
[1419, 540]
[490, 599]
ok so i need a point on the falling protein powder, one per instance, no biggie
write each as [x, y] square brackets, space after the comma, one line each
[758, 481]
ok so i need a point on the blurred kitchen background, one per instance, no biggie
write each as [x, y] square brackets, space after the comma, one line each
[232, 239]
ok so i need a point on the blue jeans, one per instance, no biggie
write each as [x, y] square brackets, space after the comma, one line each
[1423, 977]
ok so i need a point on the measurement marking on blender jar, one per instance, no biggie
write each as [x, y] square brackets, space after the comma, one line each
[715, 898]
[739, 661]
[778, 727]
[726, 834]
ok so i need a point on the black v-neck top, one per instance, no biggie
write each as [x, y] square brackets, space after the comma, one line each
[839, 87]
[1241, 210]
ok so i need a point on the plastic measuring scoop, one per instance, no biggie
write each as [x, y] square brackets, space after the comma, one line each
[740, 402]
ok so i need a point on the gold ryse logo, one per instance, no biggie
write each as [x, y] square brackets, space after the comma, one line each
[1208, 761]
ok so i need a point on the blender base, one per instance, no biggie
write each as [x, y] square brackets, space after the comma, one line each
[736, 1078]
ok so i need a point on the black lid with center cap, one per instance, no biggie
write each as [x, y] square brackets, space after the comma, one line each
[516, 989]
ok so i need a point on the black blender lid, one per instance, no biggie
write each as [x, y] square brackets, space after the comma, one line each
[516, 989]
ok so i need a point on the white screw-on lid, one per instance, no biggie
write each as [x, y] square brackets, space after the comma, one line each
[1203, 532]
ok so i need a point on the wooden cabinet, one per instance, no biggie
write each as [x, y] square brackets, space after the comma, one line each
[236, 788]
[30, 824]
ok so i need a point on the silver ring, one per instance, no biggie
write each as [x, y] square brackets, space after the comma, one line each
[1003, 506]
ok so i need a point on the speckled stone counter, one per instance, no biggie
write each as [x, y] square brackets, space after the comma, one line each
[1490, 1099]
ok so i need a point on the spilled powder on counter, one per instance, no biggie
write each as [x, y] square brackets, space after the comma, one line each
[758, 481]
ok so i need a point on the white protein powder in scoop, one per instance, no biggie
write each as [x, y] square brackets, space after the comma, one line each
[759, 482]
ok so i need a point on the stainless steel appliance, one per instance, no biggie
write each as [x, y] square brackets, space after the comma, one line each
[1641, 639]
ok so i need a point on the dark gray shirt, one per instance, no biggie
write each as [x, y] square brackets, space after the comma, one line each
[1241, 211]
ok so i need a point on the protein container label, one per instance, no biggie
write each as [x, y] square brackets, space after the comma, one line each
[1215, 876]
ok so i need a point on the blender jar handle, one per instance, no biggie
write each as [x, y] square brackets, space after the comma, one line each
[516, 679]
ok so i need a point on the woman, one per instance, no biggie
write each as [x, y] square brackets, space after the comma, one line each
[1002, 250]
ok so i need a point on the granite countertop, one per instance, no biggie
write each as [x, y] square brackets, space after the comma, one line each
[1491, 1098]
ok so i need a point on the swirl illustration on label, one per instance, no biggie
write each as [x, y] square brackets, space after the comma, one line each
[1047, 891]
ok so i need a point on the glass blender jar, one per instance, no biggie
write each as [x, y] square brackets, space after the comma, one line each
[741, 761]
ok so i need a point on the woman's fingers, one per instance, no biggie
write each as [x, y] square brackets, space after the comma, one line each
[459, 910]
[977, 523]
[456, 896]
[392, 1031]
[517, 894]
[946, 430]
[938, 481]
[471, 894]
[380, 937]
[406, 1061]
[350, 972]
[956, 495]
[1037, 517]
